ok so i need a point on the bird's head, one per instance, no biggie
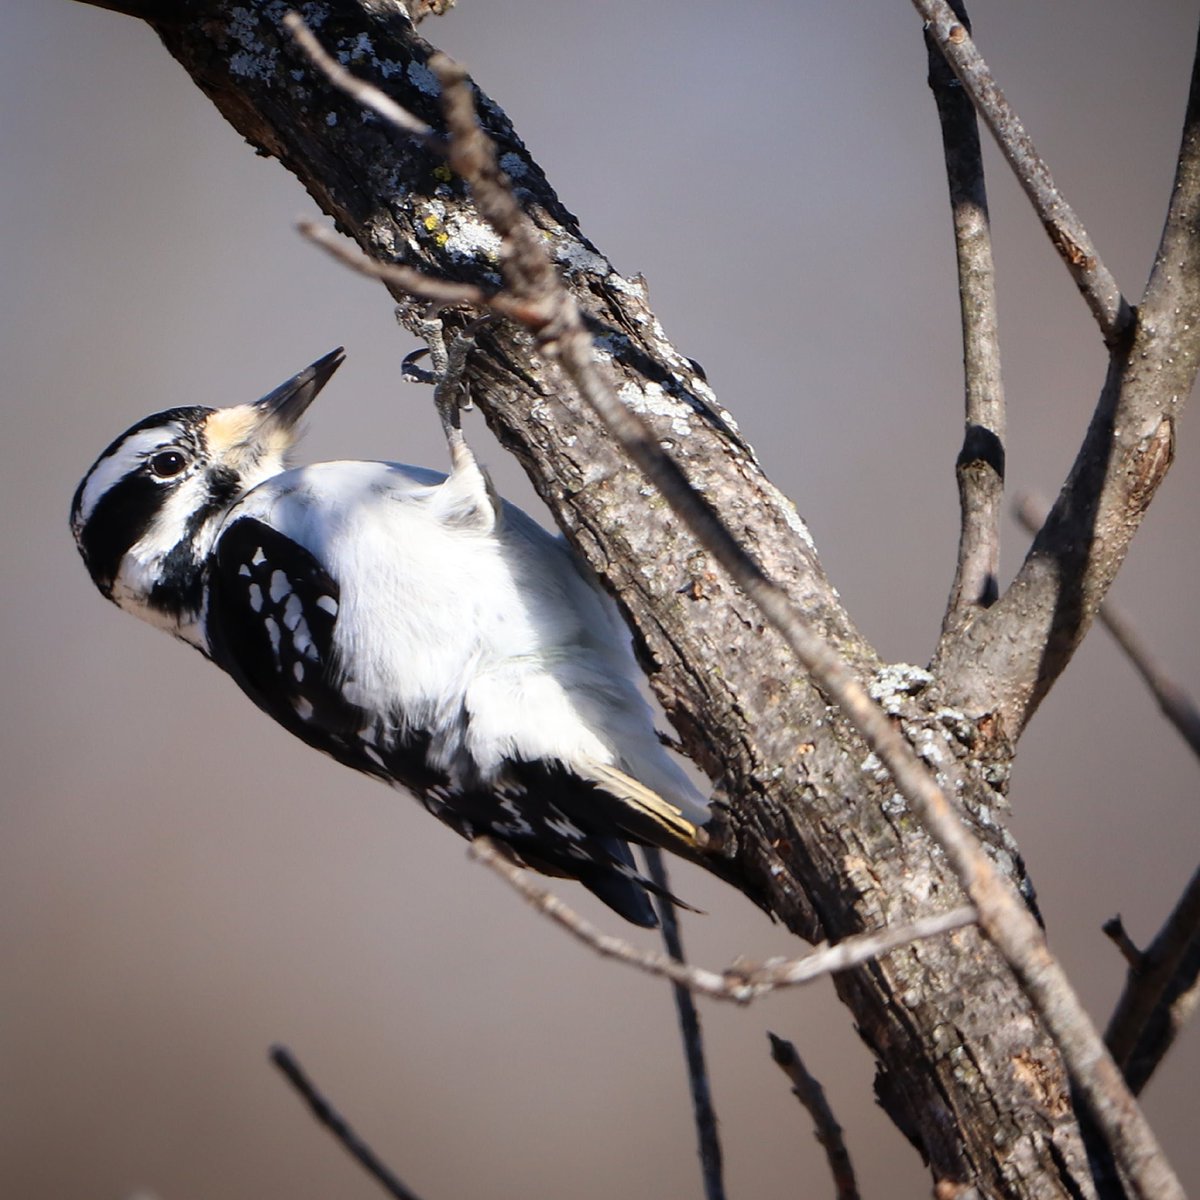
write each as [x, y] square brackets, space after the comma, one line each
[147, 513]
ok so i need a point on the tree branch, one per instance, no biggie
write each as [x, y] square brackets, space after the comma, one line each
[1070, 239]
[1161, 991]
[980, 465]
[1173, 698]
[337, 1125]
[1007, 660]
[811, 1094]
[704, 1114]
[740, 983]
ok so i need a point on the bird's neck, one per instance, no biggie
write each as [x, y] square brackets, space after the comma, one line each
[169, 588]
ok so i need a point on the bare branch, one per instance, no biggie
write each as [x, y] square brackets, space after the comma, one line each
[443, 292]
[1114, 930]
[1173, 698]
[708, 1139]
[328, 1116]
[1161, 991]
[1009, 658]
[1169, 304]
[740, 983]
[1066, 231]
[980, 465]
[808, 1090]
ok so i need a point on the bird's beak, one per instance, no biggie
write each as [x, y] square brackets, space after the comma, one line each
[288, 402]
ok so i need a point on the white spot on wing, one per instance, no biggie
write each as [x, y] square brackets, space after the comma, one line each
[258, 558]
[279, 586]
[329, 604]
[293, 610]
[298, 671]
[272, 628]
[254, 595]
[304, 710]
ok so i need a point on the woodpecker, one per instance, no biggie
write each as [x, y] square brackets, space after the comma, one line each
[406, 622]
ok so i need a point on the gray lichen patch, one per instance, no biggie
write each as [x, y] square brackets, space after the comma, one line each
[894, 682]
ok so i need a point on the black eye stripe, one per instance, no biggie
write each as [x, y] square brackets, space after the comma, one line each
[123, 514]
[119, 520]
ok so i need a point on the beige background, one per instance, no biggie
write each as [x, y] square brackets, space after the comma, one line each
[181, 884]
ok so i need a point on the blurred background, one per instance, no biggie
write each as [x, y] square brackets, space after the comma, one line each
[181, 884]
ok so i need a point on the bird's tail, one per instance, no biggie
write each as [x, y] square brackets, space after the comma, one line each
[639, 812]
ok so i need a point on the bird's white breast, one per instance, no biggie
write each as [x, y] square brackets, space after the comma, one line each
[476, 627]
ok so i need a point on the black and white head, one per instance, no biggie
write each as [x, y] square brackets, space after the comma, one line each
[147, 513]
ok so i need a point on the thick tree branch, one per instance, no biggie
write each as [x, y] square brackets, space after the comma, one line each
[1007, 660]
[1070, 239]
[980, 466]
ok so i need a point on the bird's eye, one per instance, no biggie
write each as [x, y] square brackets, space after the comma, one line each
[167, 463]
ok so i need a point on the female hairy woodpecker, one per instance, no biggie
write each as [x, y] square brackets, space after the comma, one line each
[406, 622]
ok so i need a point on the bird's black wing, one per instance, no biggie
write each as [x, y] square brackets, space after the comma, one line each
[272, 613]
[560, 824]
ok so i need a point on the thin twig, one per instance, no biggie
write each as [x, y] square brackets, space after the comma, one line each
[1173, 699]
[980, 465]
[328, 1116]
[808, 1090]
[443, 292]
[1160, 991]
[1003, 915]
[740, 983]
[1114, 930]
[708, 1139]
[1066, 231]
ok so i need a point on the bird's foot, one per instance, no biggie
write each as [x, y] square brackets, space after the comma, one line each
[447, 373]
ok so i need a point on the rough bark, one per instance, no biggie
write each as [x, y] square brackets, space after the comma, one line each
[812, 830]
